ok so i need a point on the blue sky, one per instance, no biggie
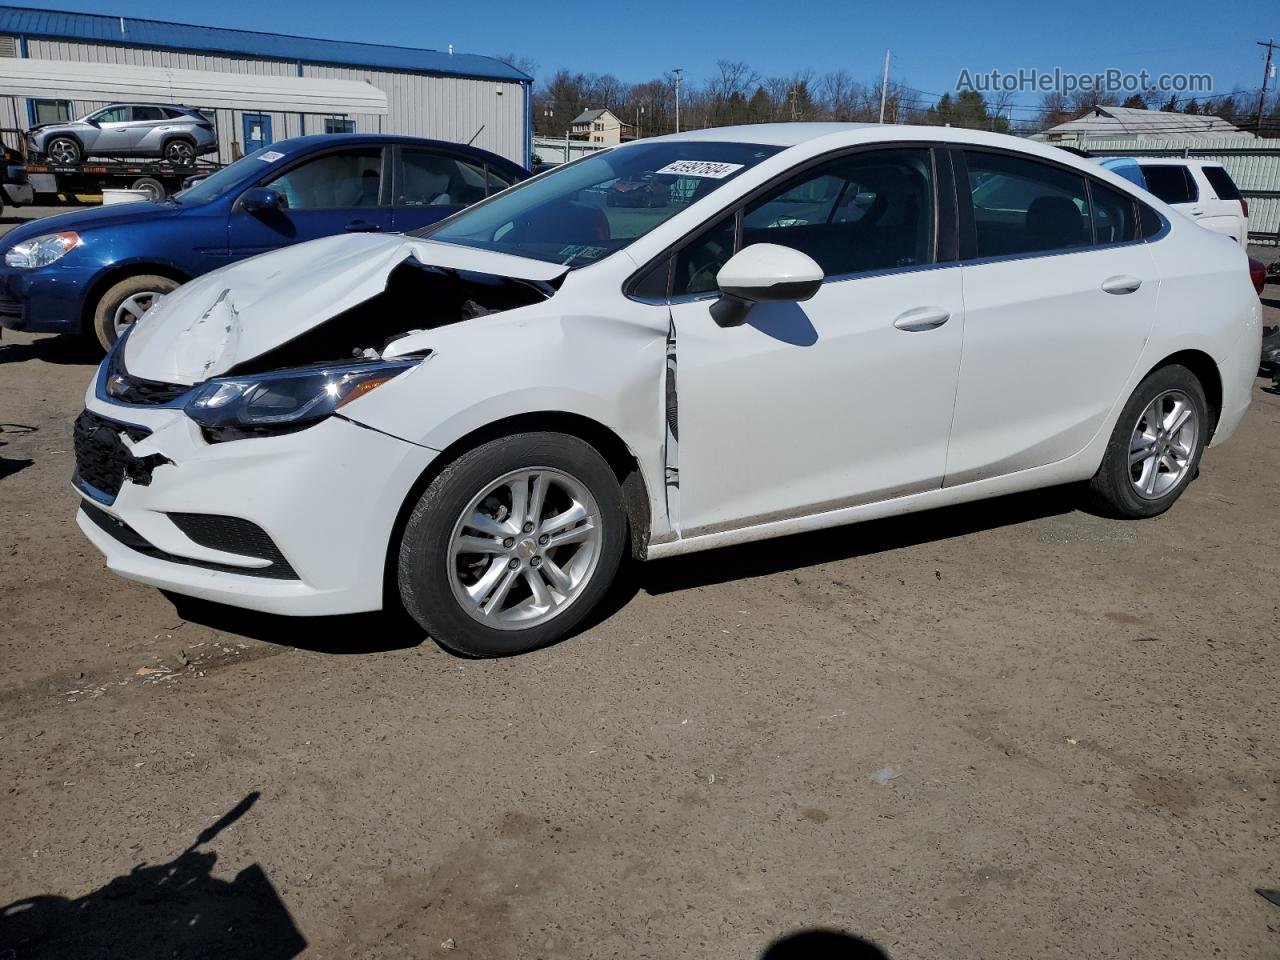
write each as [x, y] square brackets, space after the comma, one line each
[931, 43]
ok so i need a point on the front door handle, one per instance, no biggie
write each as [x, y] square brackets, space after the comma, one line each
[922, 318]
[361, 226]
[1121, 284]
[1197, 212]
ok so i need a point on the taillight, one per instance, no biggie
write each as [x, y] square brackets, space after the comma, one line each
[1244, 207]
[1258, 274]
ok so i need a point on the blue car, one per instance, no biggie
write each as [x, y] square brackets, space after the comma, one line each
[96, 271]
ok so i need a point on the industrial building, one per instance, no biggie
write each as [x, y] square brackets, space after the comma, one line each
[428, 93]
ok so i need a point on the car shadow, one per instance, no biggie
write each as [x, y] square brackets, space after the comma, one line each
[393, 629]
[822, 944]
[347, 635]
[173, 909]
[797, 551]
[64, 349]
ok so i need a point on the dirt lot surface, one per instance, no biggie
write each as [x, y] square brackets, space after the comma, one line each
[1009, 730]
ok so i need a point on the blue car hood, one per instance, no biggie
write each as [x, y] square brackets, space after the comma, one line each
[93, 218]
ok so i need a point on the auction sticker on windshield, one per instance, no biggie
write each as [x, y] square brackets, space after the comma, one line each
[701, 168]
[271, 156]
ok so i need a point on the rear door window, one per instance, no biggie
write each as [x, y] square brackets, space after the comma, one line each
[1024, 206]
[147, 114]
[1171, 182]
[1221, 182]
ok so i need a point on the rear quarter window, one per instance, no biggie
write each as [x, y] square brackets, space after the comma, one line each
[1221, 182]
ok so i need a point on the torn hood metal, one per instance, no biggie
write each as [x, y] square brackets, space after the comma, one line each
[207, 326]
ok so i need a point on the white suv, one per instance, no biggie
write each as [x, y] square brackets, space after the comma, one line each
[1199, 189]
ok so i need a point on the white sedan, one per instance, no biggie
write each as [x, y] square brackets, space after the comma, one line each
[809, 325]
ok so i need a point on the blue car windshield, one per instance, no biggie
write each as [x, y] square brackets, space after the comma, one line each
[584, 211]
[214, 185]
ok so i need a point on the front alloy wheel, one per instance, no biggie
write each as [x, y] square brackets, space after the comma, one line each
[523, 550]
[513, 544]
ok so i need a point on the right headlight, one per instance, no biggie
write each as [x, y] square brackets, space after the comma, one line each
[43, 250]
[230, 408]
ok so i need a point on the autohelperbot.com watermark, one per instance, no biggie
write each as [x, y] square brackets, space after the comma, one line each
[1111, 80]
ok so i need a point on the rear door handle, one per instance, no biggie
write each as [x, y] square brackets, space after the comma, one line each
[1121, 284]
[922, 318]
[361, 226]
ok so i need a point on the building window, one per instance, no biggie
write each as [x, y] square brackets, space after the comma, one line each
[339, 125]
[51, 111]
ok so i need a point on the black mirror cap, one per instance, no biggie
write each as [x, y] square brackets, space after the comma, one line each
[789, 291]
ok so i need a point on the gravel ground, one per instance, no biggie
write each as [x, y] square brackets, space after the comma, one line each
[1007, 730]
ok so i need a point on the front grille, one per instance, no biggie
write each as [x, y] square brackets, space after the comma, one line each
[102, 459]
[124, 387]
[126, 535]
[233, 535]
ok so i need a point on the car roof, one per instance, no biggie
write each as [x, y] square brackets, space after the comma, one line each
[1169, 161]
[815, 137]
[314, 140]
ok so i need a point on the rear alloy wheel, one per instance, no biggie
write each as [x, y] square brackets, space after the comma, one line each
[124, 304]
[1156, 446]
[513, 544]
[63, 150]
[181, 153]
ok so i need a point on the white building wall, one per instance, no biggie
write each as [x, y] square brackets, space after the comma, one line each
[442, 108]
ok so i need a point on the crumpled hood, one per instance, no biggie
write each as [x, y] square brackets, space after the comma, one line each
[207, 326]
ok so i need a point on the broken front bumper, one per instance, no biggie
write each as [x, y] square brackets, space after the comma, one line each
[293, 524]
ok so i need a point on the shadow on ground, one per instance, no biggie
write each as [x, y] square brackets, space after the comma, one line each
[819, 944]
[395, 630]
[175, 909]
[856, 540]
[57, 349]
[344, 635]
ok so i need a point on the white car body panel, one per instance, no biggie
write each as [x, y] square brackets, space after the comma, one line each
[819, 389]
[805, 417]
[1043, 331]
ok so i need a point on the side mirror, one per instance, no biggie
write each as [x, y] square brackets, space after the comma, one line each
[763, 273]
[261, 200]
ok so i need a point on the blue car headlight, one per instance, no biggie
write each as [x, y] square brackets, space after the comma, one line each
[229, 408]
[42, 251]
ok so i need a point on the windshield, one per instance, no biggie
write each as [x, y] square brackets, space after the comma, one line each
[582, 212]
[212, 186]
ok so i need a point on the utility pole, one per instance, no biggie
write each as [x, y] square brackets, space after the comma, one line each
[678, 73]
[1266, 75]
[884, 85]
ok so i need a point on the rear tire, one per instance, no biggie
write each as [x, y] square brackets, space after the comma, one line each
[154, 188]
[180, 151]
[124, 303]
[1155, 448]
[488, 571]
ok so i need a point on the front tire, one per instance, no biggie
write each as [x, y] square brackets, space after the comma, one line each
[124, 303]
[1155, 449]
[65, 150]
[513, 544]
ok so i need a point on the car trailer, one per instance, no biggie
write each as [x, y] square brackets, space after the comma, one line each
[157, 179]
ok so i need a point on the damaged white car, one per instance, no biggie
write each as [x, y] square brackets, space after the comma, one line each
[805, 326]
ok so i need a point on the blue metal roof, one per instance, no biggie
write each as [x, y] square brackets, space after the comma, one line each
[97, 28]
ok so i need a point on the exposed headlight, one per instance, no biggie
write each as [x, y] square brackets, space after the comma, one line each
[42, 251]
[230, 408]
